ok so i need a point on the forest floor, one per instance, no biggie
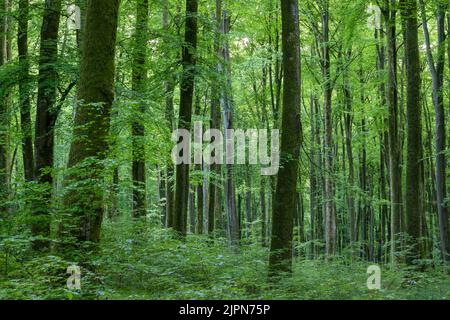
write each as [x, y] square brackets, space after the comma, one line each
[149, 264]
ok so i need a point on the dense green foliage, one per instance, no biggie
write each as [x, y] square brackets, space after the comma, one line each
[352, 142]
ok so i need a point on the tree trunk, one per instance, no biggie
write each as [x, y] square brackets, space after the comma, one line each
[169, 88]
[139, 77]
[24, 94]
[395, 171]
[437, 75]
[330, 215]
[185, 115]
[46, 118]
[92, 123]
[413, 113]
[3, 113]
[285, 194]
[226, 103]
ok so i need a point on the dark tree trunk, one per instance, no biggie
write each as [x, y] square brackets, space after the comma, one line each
[92, 123]
[262, 200]
[413, 113]
[215, 124]
[139, 77]
[24, 91]
[3, 112]
[285, 194]
[169, 88]
[348, 119]
[437, 75]
[46, 115]
[395, 171]
[226, 103]
[330, 215]
[313, 198]
[185, 115]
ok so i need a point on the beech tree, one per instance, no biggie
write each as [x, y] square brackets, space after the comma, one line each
[285, 195]
[83, 200]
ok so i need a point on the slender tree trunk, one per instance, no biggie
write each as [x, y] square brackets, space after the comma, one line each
[395, 171]
[3, 112]
[330, 215]
[248, 204]
[24, 88]
[348, 119]
[169, 88]
[437, 75]
[215, 124]
[185, 116]
[313, 199]
[226, 103]
[139, 77]
[284, 198]
[262, 199]
[414, 147]
[92, 123]
[46, 116]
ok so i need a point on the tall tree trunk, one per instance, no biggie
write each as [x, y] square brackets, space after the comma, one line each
[24, 88]
[46, 115]
[139, 77]
[414, 147]
[348, 119]
[92, 123]
[185, 115]
[215, 124]
[437, 75]
[284, 198]
[395, 171]
[226, 103]
[313, 198]
[169, 88]
[330, 215]
[3, 111]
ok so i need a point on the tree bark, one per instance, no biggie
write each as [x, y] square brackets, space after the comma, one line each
[285, 195]
[169, 88]
[185, 115]
[84, 204]
[395, 171]
[226, 103]
[46, 116]
[24, 88]
[413, 113]
[330, 215]
[139, 77]
[3, 112]
[437, 75]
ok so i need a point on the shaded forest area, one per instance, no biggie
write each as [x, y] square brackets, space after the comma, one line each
[92, 90]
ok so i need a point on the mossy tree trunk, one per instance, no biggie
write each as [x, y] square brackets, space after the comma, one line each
[284, 200]
[139, 76]
[46, 115]
[84, 197]
[414, 129]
